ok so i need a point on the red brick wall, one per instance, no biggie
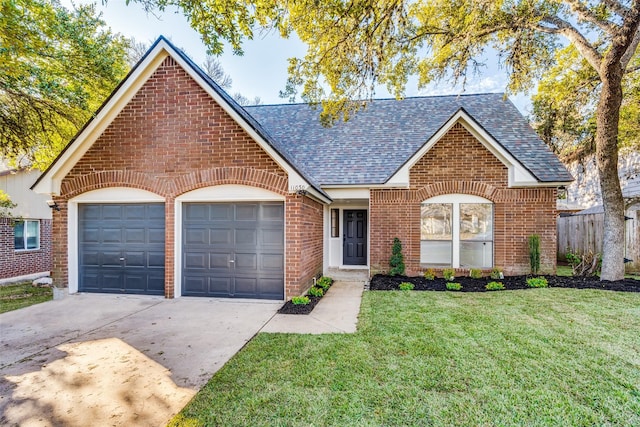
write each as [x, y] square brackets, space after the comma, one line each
[458, 163]
[20, 263]
[171, 138]
[304, 224]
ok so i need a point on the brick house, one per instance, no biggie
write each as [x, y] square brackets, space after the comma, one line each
[25, 246]
[174, 189]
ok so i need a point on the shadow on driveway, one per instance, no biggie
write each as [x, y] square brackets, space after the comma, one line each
[116, 360]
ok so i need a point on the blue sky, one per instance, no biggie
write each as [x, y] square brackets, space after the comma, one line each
[262, 70]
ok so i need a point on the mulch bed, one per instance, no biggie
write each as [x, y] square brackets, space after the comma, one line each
[381, 282]
[291, 308]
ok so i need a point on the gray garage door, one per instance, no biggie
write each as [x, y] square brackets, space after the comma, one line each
[121, 248]
[233, 250]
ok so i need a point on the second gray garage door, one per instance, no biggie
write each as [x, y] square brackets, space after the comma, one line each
[233, 250]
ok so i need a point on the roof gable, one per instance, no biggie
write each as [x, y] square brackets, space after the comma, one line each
[376, 142]
[51, 179]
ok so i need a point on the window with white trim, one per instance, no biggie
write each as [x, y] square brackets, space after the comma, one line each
[456, 230]
[26, 235]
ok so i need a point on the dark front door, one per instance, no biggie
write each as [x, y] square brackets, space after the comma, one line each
[354, 247]
[121, 248]
[233, 250]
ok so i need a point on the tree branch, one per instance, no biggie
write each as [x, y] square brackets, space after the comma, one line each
[585, 14]
[631, 50]
[581, 43]
[616, 7]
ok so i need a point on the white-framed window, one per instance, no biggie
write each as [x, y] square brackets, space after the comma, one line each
[26, 235]
[456, 230]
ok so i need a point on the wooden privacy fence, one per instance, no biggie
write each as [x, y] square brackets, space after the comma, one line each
[583, 233]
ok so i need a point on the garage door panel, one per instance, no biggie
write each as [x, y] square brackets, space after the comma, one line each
[121, 248]
[112, 212]
[156, 235]
[246, 287]
[134, 235]
[272, 212]
[271, 262]
[246, 262]
[220, 212]
[245, 247]
[155, 260]
[246, 237]
[196, 236]
[195, 260]
[220, 236]
[219, 286]
[111, 235]
[246, 212]
[220, 261]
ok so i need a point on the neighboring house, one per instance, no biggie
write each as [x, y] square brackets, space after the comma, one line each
[175, 189]
[25, 246]
[585, 191]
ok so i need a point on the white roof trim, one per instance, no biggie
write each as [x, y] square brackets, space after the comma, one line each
[52, 180]
[518, 175]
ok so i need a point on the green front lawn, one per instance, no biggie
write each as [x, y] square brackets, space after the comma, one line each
[13, 297]
[543, 357]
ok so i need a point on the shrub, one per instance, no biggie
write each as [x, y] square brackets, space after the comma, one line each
[324, 282]
[534, 253]
[494, 286]
[406, 286]
[496, 273]
[430, 274]
[303, 300]
[449, 274]
[397, 259]
[453, 286]
[475, 273]
[316, 292]
[586, 264]
[537, 282]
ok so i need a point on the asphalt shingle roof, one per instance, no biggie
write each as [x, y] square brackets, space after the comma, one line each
[377, 141]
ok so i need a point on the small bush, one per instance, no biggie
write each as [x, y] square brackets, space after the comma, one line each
[453, 286]
[303, 300]
[324, 282]
[449, 274]
[406, 286]
[494, 286]
[316, 292]
[475, 273]
[430, 274]
[585, 264]
[496, 273]
[397, 259]
[537, 282]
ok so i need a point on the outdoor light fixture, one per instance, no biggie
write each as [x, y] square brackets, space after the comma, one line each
[53, 205]
[301, 192]
[562, 192]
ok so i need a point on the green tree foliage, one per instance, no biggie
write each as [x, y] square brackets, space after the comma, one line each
[353, 45]
[6, 205]
[564, 107]
[56, 67]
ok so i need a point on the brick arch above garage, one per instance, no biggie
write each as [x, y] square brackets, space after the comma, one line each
[175, 185]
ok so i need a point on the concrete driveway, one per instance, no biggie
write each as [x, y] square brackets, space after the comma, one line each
[113, 360]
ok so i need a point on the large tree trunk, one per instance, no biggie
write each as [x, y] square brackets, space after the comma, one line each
[608, 115]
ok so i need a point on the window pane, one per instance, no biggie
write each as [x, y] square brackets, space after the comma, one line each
[476, 222]
[437, 252]
[476, 254]
[33, 234]
[18, 232]
[436, 221]
[335, 223]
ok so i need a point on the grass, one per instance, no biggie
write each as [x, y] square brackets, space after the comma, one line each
[542, 357]
[13, 297]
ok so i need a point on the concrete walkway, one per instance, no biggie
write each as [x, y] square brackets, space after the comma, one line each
[111, 360]
[337, 312]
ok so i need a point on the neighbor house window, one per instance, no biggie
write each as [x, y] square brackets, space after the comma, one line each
[457, 231]
[26, 235]
[335, 222]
